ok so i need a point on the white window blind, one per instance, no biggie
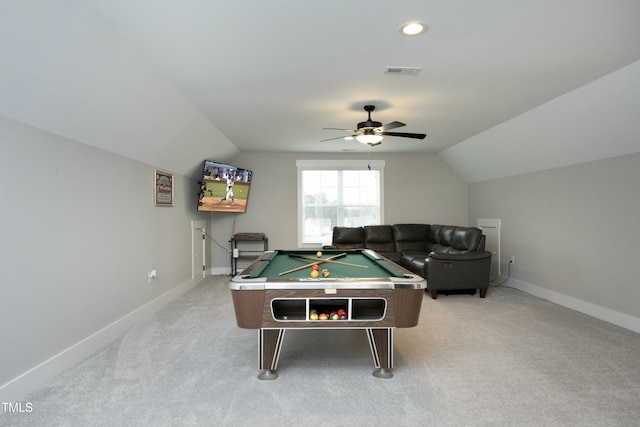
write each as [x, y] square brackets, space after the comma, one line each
[337, 193]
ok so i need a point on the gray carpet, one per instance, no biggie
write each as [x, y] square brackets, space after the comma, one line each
[508, 360]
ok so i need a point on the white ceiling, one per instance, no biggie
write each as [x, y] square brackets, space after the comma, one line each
[271, 74]
[172, 82]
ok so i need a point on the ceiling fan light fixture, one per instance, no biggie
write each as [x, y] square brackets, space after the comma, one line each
[369, 138]
[413, 28]
[371, 132]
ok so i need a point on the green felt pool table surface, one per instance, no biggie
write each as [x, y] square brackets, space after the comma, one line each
[368, 270]
[368, 266]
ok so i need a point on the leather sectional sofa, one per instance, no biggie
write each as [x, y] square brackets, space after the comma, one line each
[449, 257]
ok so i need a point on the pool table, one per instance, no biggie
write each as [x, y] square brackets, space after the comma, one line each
[362, 291]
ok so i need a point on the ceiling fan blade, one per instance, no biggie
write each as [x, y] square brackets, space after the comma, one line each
[348, 130]
[392, 125]
[339, 137]
[405, 135]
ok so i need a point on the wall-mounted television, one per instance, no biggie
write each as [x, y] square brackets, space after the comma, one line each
[223, 188]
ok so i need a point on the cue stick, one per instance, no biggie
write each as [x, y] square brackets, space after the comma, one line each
[309, 265]
[327, 260]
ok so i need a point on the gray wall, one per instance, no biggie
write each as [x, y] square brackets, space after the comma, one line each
[79, 234]
[418, 188]
[573, 231]
[568, 216]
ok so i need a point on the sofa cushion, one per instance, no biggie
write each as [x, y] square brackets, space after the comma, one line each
[410, 237]
[414, 261]
[348, 237]
[449, 239]
[379, 238]
[434, 236]
[465, 239]
[391, 256]
[441, 237]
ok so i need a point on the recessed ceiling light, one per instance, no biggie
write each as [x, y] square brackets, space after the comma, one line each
[413, 28]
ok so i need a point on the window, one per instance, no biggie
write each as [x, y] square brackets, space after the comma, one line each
[337, 193]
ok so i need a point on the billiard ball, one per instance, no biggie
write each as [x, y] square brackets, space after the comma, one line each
[334, 316]
[313, 316]
[323, 316]
[325, 273]
[318, 254]
[342, 316]
[315, 267]
[314, 274]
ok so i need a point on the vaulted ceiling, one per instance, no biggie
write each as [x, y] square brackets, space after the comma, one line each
[270, 75]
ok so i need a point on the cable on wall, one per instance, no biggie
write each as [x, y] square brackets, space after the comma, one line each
[507, 278]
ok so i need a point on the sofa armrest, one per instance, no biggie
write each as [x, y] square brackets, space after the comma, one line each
[467, 256]
[457, 271]
[329, 247]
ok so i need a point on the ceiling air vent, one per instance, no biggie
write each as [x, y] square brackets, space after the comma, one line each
[403, 71]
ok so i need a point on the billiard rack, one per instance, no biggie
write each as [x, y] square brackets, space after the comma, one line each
[356, 308]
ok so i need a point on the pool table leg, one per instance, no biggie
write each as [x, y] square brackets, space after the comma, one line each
[270, 345]
[381, 343]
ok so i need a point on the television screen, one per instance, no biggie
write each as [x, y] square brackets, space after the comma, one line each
[223, 188]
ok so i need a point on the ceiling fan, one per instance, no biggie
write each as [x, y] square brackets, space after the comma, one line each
[372, 132]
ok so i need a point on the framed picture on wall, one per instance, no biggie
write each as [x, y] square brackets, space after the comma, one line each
[163, 189]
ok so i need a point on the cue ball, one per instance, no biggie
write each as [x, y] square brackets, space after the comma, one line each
[325, 273]
[318, 254]
[314, 273]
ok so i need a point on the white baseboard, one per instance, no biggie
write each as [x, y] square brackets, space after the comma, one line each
[219, 271]
[17, 388]
[620, 319]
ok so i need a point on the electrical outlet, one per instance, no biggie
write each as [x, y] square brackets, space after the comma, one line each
[513, 260]
[151, 275]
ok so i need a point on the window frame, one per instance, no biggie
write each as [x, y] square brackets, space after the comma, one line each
[303, 165]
